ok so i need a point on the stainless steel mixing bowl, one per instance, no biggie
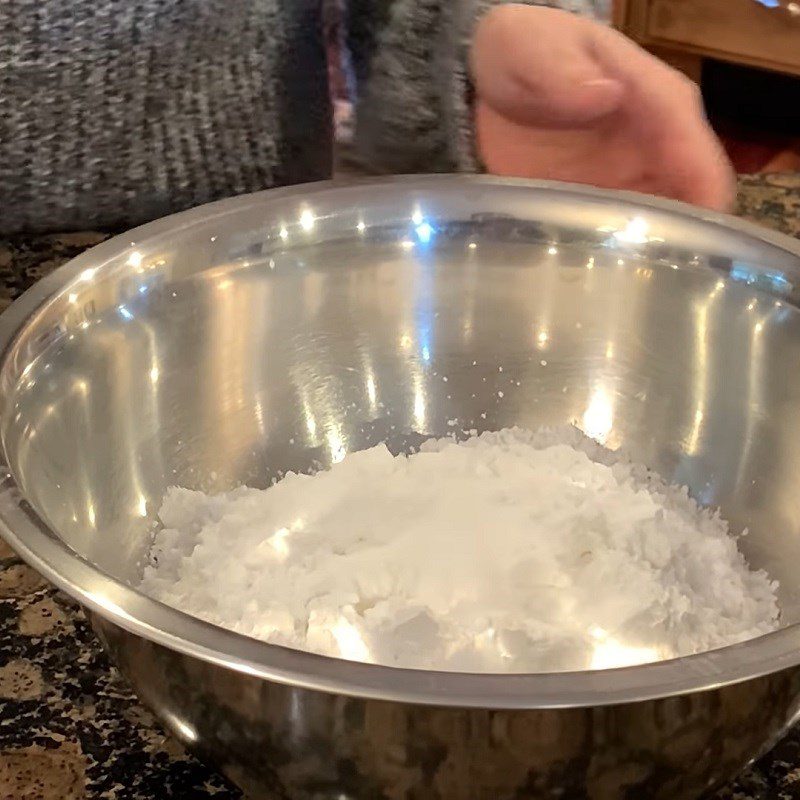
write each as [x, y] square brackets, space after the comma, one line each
[281, 330]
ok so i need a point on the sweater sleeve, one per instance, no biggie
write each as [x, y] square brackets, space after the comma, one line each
[413, 93]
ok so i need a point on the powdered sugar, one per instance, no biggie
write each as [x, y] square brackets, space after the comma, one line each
[511, 551]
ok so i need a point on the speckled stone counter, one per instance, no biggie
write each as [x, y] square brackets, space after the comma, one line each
[69, 727]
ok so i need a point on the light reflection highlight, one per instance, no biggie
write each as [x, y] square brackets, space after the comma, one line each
[419, 403]
[336, 445]
[701, 388]
[108, 605]
[279, 544]
[181, 728]
[350, 642]
[311, 426]
[259, 413]
[424, 232]
[609, 653]
[635, 232]
[307, 219]
[701, 368]
[598, 419]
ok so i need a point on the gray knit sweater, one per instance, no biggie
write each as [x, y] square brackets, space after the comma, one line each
[113, 112]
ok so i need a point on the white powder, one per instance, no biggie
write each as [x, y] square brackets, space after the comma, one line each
[512, 551]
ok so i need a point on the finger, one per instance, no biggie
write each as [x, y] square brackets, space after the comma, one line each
[535, 65]
[701, 172]
[694, 156]
[669, 110]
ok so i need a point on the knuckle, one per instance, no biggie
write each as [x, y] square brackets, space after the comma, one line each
[689, 90]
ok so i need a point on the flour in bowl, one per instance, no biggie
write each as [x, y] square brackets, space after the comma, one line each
[511, 551]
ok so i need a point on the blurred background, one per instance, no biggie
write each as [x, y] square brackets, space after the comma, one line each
[745, 54]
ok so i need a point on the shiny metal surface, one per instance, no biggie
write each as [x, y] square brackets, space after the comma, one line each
[280, 331]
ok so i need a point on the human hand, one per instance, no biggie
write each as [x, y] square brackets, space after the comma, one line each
[565, 98]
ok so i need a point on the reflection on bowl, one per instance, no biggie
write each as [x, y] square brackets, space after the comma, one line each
[281, 331]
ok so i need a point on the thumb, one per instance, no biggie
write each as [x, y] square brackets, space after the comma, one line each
[535, 65]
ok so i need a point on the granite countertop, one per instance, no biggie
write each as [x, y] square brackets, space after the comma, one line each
[70, 728]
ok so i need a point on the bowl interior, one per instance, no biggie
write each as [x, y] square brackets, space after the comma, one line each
[281, 331]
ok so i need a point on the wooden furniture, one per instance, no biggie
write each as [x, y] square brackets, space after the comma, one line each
[761, 33]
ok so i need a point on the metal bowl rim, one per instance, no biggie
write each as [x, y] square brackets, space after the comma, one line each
[138, 614]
